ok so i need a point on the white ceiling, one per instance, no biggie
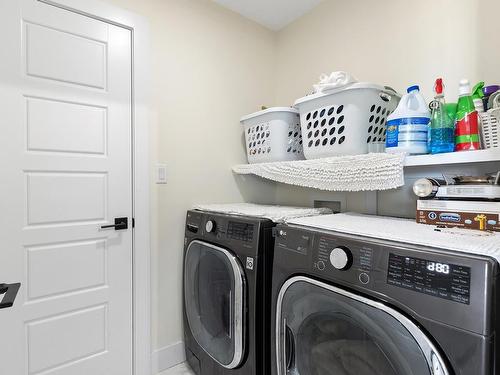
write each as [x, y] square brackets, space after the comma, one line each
[273, 14]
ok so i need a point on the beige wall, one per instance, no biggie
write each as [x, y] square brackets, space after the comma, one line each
[392, 42]
[210, 66]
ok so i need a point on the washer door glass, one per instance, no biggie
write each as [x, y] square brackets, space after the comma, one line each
[214, 301]
[323, 330]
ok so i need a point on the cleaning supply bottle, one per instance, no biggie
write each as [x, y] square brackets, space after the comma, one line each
[408, 125]
[442, 127]
[477, 97]
[467, 120]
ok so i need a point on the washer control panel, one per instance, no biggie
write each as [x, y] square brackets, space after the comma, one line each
[341, 258]
[220, 227]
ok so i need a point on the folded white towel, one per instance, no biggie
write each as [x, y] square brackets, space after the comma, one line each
[408, 231]
[368, 172]
[278, 214]
[333, 81]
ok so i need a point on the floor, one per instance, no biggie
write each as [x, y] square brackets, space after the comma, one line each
[181, 369]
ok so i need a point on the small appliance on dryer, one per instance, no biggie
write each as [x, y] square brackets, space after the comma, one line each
[227, 286]
[355, 304]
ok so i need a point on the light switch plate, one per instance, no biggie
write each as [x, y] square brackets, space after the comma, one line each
[161, 174]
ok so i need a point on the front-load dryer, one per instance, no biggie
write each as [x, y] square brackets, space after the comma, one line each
[353, 305]
[227, 286]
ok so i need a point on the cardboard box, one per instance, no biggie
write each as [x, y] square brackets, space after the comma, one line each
[480, 215]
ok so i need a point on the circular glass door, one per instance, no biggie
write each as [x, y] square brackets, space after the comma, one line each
[323, 330]
[214, 301]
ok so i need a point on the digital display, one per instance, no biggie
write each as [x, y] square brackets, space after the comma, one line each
[443, 280]
[438, 267]
[240, 231]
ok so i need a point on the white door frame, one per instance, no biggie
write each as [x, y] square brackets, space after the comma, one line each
[141, 184]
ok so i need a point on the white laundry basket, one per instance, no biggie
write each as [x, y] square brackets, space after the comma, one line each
[273, 135]
[345, 121]
[490, 126]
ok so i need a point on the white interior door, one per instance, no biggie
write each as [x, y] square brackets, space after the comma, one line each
[65, 162]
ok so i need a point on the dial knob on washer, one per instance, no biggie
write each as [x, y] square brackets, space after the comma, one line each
[341, 258]
[210, 226]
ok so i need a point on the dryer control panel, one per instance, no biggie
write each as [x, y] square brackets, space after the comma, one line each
[443, 280]
[444, 286]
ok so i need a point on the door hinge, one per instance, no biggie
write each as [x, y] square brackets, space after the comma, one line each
[133, 222]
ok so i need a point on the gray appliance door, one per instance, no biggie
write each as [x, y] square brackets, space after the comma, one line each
[324, 330]
[214, 291]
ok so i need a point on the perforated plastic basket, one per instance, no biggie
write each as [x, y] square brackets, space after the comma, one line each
[345, 121]
[490, 123]
[273, 135]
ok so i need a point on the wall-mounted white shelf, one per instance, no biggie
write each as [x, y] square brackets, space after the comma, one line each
[463, 157]
[369, 172]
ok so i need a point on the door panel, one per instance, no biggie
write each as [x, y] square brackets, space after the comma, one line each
[66, 338]
[323, 330]
[214, 288]
[81, 266]
[57, 126]
[65, 154]
[61, 55]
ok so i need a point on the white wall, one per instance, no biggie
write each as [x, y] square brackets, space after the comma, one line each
[391, 42]
[210, 66]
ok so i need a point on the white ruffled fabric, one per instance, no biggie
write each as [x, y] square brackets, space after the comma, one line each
[333, 81]
[278, 214]
[366, 172]
[408, 231]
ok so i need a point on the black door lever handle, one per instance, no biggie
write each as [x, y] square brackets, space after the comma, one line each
[121, 223]
[10, 291]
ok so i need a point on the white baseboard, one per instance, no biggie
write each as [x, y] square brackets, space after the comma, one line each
[167, 357]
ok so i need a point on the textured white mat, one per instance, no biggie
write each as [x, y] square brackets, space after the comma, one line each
[278, 214]
[407, 231]
[344, 173]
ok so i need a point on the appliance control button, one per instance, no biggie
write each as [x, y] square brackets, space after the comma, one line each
[210, 226]
[321, 265]
[341, 258]
[364, 278]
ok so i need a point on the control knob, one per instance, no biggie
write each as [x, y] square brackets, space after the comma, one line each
[210, 226]
[341, 258]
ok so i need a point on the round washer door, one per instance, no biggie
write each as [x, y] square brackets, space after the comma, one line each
[214, 298]
[324, 330]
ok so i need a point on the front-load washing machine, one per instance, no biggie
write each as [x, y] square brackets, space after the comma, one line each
[351, 305]
[227, 286]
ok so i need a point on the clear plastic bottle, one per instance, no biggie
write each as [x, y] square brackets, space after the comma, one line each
[467, 121]
[442, 127]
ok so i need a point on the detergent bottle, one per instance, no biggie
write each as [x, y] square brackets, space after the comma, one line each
[467, 120]
[442, 127]
[408, 125]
